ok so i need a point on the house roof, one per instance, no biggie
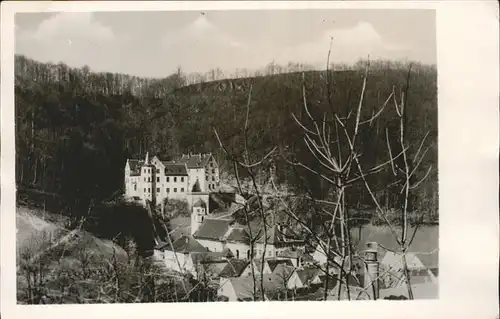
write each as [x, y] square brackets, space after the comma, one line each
[273, 263]
[195, 160]
[234, 268]
[185, 244]
[238, 235]
[200, 203]
[213, 267]
[213, 229]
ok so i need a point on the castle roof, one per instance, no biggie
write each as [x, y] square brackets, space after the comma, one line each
[195, 160]
[175, 169]
[135, 166]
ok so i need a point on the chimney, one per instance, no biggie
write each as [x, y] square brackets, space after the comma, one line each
[371, 270]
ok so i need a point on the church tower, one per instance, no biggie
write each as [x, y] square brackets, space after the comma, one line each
[198, 214]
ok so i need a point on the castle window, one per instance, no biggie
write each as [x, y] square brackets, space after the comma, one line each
[182, 179]
[144, 190]
[149, 190]
[157, 179]
[175, 190]
[182, 190]
[135, 187]
[157, 190]
[202, 218]
[213, 171]
[168, 179]
[158, 171]
[270, 254]
[206, 177]
[213, 178]
[168, 190]
[144, 178]
[175, 179]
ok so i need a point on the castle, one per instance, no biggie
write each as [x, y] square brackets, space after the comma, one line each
[190, 178]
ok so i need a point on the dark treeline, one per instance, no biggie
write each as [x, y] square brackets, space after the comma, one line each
[76, 128]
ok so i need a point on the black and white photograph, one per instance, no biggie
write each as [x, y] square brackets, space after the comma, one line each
[192, 156]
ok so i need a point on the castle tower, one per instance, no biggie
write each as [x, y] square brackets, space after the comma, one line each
[148, 176]
[198, 214]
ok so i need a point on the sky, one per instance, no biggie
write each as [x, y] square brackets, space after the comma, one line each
[155, 43]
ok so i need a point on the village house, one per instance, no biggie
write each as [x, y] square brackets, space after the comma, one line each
[155, 180]
[279, 239]
[257, 268]
[185, 255]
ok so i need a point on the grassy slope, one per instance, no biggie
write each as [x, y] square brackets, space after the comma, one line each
[33, 231]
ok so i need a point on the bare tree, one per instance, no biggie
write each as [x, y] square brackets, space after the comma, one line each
[249, 164]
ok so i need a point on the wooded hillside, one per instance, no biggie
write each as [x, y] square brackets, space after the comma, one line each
[75, 128]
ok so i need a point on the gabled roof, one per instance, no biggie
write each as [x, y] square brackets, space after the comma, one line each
[185, 244]
[234, 268]
[273, 263]
[213, 229]
[195, 160]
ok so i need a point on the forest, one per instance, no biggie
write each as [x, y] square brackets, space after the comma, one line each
[76, 128]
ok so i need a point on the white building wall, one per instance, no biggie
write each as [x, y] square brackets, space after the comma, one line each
[194, 174]
[270, 250]
[174, 187]
[212, 175]
[226, 289]
[184, 260]
[198, 215]
[294, 281]
[243, 249]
